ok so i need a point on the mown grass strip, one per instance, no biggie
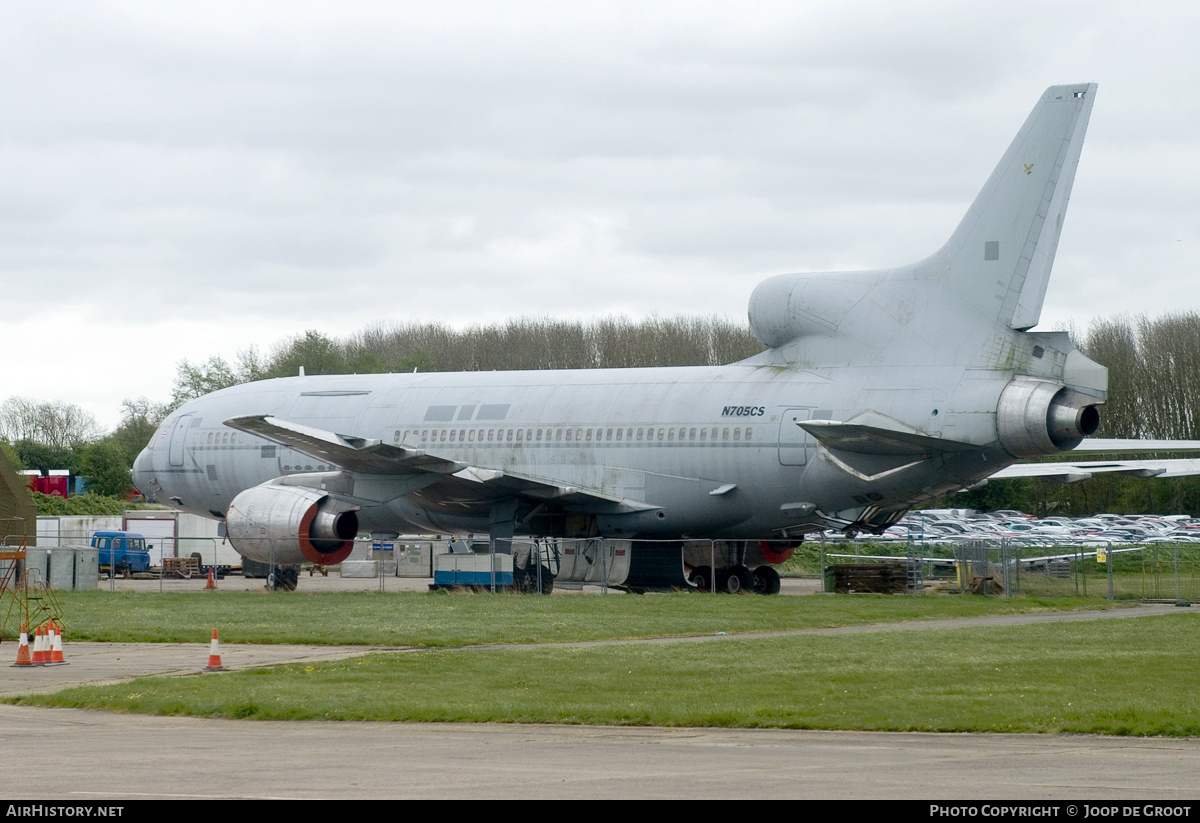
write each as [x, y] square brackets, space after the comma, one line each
[449, 619]
[1128, 677]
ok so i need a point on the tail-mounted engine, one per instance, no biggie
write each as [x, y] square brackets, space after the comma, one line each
[291, 524]
[1037, 417]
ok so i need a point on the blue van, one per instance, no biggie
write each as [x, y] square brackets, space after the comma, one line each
[123, 552]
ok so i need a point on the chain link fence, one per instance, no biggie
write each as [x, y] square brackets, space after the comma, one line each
[1145, 571]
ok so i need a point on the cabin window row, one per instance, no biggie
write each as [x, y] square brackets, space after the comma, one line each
[694, 434]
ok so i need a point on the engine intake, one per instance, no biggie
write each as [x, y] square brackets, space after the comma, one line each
[1037, 417]
[789, 306]
[291, 524]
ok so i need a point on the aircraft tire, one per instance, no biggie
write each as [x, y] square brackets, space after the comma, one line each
[702, 578]
[766, 580]
[526, 580]
[283, 578]
[738, 579]
[290, 577]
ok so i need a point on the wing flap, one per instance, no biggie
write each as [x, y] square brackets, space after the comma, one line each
[504, 484]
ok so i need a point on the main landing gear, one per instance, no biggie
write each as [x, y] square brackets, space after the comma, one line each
[735, 579]
[283, 578]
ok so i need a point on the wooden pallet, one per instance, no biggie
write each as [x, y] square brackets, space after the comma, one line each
[877, 578]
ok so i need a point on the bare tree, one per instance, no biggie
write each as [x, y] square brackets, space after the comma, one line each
[1153, 375]
[55, 423]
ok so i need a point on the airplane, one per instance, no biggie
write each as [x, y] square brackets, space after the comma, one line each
[877, 391]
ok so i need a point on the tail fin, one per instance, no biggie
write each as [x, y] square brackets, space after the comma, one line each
[967, 298]
[999, 257]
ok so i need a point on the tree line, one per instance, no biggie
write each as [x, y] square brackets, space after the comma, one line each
[525, 343]
[1154, 383]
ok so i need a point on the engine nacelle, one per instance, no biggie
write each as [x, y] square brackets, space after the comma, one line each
[291, 524]
[789, 306]
[1037, 417]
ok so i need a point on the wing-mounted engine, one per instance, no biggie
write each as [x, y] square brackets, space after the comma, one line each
[1038, 417]
[291, 524]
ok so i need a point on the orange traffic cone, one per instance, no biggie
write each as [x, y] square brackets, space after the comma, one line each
[40, 655]
[214, 655]
[23, 656]
[56, 645]
[210, 584]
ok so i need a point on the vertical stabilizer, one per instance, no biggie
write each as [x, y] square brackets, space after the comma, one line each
[1000, 255]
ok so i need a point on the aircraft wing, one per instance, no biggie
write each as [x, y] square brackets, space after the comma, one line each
[374, 457]
[348, 452]
[1073, 472]
[1098, 444]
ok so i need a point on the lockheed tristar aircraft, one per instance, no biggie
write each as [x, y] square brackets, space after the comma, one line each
[878, 390]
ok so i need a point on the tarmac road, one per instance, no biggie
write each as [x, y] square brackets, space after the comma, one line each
[81, 755]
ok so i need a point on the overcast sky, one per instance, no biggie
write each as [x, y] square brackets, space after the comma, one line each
[182, 180]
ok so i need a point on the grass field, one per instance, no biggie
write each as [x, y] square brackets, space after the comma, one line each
[456, 619]
[1133, 677]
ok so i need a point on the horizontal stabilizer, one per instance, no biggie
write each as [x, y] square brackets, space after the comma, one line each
[860, 439]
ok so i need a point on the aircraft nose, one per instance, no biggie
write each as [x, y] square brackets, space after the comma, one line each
[143, 476]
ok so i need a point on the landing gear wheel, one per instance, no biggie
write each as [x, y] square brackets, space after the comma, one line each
[283, 578]
[289, 577]
[739, 579]
[766, 580]
[702, 577]
[526, 580]
[521, 580]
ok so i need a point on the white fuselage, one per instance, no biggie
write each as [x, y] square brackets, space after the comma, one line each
[710, 451]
